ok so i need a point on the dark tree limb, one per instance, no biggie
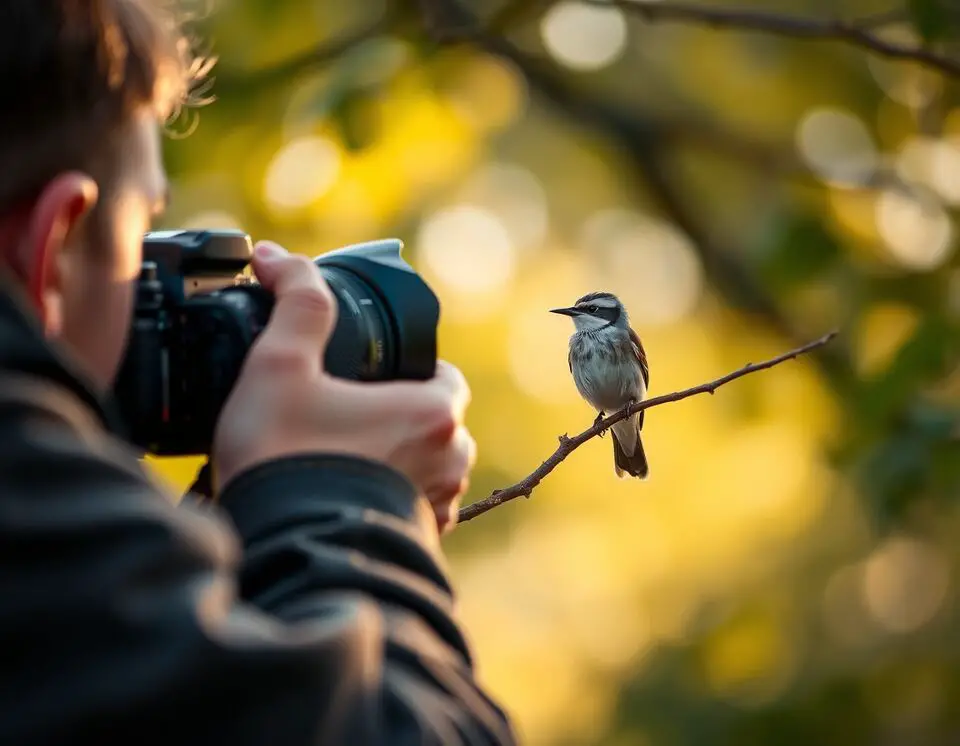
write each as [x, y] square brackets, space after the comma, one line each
[568, 445]
[854, 33]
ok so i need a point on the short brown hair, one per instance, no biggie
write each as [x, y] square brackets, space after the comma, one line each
[72, 72]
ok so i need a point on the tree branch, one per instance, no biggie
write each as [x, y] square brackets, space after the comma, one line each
[525, 486]
[850, 32]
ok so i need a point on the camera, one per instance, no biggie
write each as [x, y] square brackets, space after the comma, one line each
[198, 310]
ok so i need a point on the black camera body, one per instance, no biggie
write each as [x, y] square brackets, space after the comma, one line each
[198, 311]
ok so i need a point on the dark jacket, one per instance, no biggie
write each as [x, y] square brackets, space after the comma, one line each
[320, 616]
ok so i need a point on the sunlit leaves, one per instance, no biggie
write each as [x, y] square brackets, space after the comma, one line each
[917, 462]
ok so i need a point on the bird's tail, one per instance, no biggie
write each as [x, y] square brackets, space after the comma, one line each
[634, 464]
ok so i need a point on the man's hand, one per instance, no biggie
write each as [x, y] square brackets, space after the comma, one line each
[284, 403]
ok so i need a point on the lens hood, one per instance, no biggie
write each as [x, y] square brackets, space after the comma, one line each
[412, 307]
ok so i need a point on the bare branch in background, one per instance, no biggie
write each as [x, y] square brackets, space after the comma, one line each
[854, 33]
[515, 14]
[525, 486]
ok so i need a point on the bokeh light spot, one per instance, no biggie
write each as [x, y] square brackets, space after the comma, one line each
[647, 263]
[837, 146]
[945, 171]
[212, 220]
[301, 172]
[536, 339]
[932, 163]
[914, 162]
[468, 248]
[516, 195]
[584, 37]
[905, 582]
[917, 232]
[538, 355]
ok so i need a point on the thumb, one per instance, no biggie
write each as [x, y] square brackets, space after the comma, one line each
[305, 311]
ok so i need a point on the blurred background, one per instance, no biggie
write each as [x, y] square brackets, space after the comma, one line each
[746, 177]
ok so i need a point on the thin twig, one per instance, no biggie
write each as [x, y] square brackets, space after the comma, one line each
[849, 32]
[525, 486]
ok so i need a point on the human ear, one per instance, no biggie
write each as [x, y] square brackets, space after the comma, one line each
[44, 253]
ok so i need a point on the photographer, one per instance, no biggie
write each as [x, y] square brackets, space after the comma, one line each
[310, 605]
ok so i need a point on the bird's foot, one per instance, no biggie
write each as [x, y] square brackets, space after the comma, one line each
[626, 408]
[596, 423]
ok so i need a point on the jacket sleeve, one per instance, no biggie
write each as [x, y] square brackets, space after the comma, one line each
[324, 618]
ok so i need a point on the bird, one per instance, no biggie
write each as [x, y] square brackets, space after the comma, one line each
[610, 370]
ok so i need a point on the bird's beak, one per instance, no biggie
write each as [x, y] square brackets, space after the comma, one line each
[566, 311]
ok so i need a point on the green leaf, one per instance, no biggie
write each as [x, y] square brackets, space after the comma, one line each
[892, 474]
[800, 250]
[931, 18]
[925, 357]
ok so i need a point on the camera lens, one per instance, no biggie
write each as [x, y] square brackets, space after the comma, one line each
[361, 346]
[388, 314]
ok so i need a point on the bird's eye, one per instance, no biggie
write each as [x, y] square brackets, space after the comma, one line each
[593, 309]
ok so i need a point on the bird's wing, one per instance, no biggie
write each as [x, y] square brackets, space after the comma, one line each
[641, 357]
[641, 354]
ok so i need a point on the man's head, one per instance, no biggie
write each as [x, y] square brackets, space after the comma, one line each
[88, 84]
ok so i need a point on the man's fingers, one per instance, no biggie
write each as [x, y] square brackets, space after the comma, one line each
[305, 311]
[448, 390]
[449, 378]
[456, 479]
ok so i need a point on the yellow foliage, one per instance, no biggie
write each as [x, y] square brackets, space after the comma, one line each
[884, 329]
[751, 659]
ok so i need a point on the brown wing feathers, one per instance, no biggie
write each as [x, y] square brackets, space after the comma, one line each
[641, 357]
